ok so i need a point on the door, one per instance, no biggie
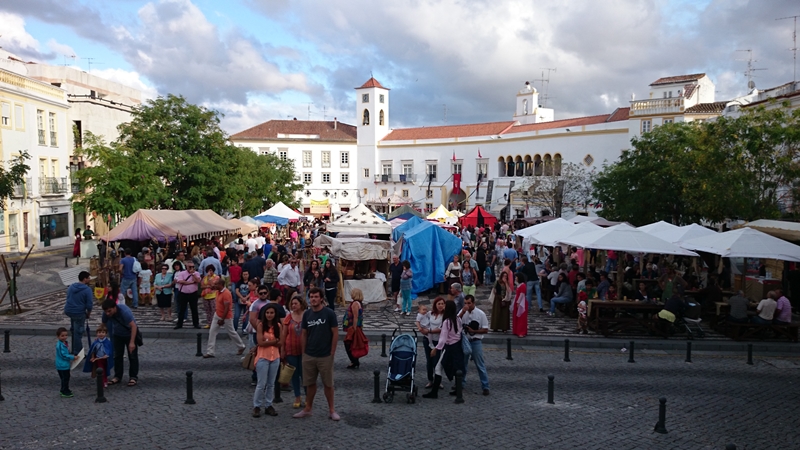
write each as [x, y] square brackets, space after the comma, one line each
[13, 233]
[25, 229]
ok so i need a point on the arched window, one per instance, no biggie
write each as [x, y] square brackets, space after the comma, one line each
[528, 166]
[366, 118]
[501, 166]
[537, 165]
[520, 166]
[525, 107]
[380, 118]
[548, 165]
[557, 164]
[509, 166]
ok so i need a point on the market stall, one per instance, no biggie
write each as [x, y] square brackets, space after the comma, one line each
[362, 263]
[279, 214]
[478, 217]
[429, 249]
[360, 219]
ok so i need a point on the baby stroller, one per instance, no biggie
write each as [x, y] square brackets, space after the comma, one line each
[402, 359]
[691, 320]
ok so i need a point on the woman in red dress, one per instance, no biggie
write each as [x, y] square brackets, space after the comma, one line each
[519, 309]
[76, 249]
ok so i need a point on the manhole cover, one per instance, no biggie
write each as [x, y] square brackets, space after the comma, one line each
[362, 420]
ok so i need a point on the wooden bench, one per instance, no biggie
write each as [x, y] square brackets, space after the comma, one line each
[744, 331]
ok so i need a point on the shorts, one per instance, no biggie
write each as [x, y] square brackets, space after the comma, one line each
[313, 366]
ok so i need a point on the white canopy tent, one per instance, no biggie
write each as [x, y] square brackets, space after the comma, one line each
[745, 243]
[277, 212]
[355, 249]
[657, 228]
[778, 228]
[680, 234]
[625, 238]
[360, 219]
[441, 213]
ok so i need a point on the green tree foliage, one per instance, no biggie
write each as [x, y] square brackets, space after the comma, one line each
[13, 176]
[174, 155]
[732, 167]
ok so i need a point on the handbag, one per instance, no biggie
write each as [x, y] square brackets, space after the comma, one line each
[360, 346]
[466, 347]
[249, 361]
[287, 372]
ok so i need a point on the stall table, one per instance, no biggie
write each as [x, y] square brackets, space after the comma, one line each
[609, 317]
[373, 289]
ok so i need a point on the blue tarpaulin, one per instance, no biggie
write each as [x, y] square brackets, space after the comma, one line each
[429, 249]
[409, 224]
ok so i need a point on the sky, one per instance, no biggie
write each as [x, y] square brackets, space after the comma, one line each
[446, 62]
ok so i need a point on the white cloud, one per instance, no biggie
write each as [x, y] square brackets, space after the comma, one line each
[61, 49]
[127, 78]
[15, 39]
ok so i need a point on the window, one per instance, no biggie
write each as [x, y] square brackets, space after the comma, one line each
[381, 98]
[429, 207]
[344, 159]
[306, 158]
[430, 171]
[646, 126]
[405, 192]
[326, 159]
[364, 98]
[429, 193]
[345, 178]
[264, 151]
[283, 155]
[380, 118]
[666, 121]
[455, 167]
[365, 192]
[54, 226]
[525, 107]
[386, 168]
[483, 169]
[53, 140]
[40, 126]
[19, 117]
[366, 173]
[6, 118]
[588, 160]
[326, 178]
[307, 178]
[384, 193]
[408, 167]
[53, 168]
[42, 167]
[365, 120]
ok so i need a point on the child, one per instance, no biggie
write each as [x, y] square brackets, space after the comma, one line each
[487, 275]
[115, 294]
[145, 278]
[582, 309]
[405, 287]
[100, 355]
[63, 359]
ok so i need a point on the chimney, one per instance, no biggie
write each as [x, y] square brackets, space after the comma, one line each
[335, 123]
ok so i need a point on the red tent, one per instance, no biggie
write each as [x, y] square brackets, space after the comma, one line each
[478, 217]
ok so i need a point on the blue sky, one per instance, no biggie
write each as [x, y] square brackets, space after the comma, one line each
[256, 60]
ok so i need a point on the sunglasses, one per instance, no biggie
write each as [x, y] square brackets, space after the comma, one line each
[263, 293]
[190, 267]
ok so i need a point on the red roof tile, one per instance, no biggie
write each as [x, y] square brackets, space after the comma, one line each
[449, 131]
[706, 108]
[678, 79]
[618, 115]
[372, 82]
[324, 129]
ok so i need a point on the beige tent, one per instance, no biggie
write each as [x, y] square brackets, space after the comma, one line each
[246, 228]
[146, 224]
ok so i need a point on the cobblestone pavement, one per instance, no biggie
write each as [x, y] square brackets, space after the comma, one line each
[601, 402]
[40, 274]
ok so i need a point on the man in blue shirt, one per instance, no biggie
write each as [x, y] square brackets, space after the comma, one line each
[210, 260]
[129, 277]
[123, 329]
[78, 308]
[510, 253]
[267, 248]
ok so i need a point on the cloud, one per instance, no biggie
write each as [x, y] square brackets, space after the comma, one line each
[127, 78]
[61, 49]
[15, 39]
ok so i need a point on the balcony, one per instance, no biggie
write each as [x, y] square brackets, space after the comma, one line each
[53, 185]
[396, 178]
[23, 190]
[656, 106]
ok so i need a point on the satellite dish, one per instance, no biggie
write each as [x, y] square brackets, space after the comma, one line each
[751, 84]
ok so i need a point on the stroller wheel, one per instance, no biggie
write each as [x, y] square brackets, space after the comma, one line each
[388, 397]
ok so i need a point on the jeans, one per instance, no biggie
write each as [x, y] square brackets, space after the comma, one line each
[120, 347]
[130, 283]
[758, 320]
[237, 315]
[534, 286]
[64, 375]
[555, 300]
[426, 344]
[406, 294]
[77, 326]
[477, 356]
[297, 378]
[265, 389]
[611, 264]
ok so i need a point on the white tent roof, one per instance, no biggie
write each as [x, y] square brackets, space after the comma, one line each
[441, 213]
[745, 243]
[540, 227]
[658, 228]
[457, 213]
[281, 210]
[625, 238]
[360, 220]
[581, 228]
[684, 233]
[581, 219]
[778, 228]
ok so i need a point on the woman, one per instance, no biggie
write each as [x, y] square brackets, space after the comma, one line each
[564, 294]
[186, 283]
[520, 309]
[431, 338]
[76, 249]
[309, 275]
[330, 277]
[163, 285]
[353, 318]
[268, 360]
[469, 279]
[291, 351]
[451, 354]
[209, 294]
[241, 293]
[453, 273]
[500, 305]
[406, 278]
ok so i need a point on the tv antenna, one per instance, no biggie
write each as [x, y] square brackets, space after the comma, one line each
[89, 61]
[794, 43]
[324, 112]
[309, 110]
[750, 69]
[444, 105]
[65, 59]
[545, 84]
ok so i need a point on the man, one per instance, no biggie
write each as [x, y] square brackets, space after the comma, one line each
[129, 276]
[260, 241]
[572, 276]
[602, 287]
[267, 247]
[738, 308]
[290, 279]
[396, 270]
[480, 258]
[78, 308]
[256, 265]
[251, 244]
[88, 233]
[123, 329]
[318, 343]
[458, 295]
[223, 318]
[783, 309]
[476, 325]
[270, 274]
[510, 253]
[210, 260]
[532, 275]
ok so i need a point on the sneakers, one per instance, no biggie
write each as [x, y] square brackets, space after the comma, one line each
[205, 327]
[541, 309]
[67, 395]
[256, 412]
[334, 416]
[208, 356]
[549, 314]
[270, 411]
[397, 310]
[302, 414]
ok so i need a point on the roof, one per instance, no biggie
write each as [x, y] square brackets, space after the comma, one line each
[372, 83]
[706, 108]
[449, 131]
[618, 115]
[326, 130]
[166, 224]
[678, 79]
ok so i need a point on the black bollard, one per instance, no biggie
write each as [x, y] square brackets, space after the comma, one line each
[199, 345]
[550, 388]
[1, 393]
[508, 350]
[100, 397]
[662, 417]
[566, 350]
[189, 391]
[377, 397]
[459, 387]
[630, 355]
[7, 342]
[749, 351]
[688, 352]
[383, 346]
[66, 261]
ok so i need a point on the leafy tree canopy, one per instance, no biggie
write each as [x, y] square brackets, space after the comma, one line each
[12, 176]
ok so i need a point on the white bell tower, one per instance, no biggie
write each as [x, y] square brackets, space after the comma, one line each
[528, 109]
[372, 121]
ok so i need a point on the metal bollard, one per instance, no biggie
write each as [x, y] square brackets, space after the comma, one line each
[199, 345]
[66, 261]
[749, 351]
[100, 397]
[459, 387]
[7, 342]
[1, 393]
[630, 355]
[550, 388]
[377, 397]
[189, 390]
[383, 346]
[566, 350]
[508, 350]
[688, 352]
[662, 417]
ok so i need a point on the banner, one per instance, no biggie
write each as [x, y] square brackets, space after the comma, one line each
[456, 183]
[319, 202]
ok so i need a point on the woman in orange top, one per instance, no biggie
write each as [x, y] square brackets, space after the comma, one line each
[209, 294]
[268, 360]
[291, 350]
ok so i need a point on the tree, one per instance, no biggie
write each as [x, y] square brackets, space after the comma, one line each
[13, 176]
[174, 155]
[570, 186]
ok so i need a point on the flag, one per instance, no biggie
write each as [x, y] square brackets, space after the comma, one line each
[456, 183]
[454, 155]
[479, 153]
